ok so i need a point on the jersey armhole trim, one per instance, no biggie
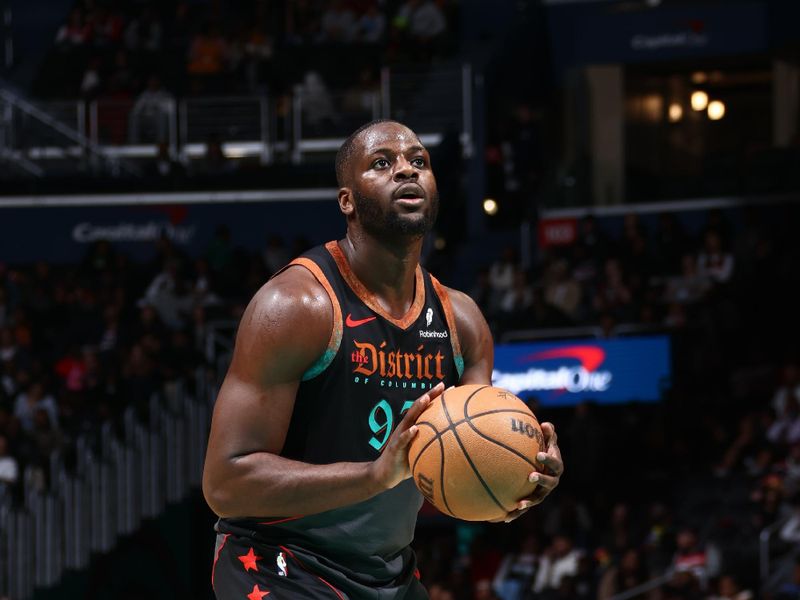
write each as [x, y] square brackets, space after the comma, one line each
[326, 358]
[444, 298]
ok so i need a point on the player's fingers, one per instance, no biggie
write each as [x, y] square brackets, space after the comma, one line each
[420, 405]
[516, 514]
[551, 461]
[547, 482]
[550, 435]
[404, 439]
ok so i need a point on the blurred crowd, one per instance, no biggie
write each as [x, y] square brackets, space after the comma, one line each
[682, 488]
[113, 49]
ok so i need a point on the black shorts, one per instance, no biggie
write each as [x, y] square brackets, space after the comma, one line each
[248, 569]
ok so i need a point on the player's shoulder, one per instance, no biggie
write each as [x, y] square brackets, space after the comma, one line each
[464, 307]
[292, 297]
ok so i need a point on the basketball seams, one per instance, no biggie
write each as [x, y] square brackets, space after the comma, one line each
[439, 434]
[427, 445]
[441, 477]
[501, 444]
[464, 450]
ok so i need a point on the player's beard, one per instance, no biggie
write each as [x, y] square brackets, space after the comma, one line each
[381, 222]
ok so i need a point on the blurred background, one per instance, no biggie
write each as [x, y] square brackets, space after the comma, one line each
[619, 186]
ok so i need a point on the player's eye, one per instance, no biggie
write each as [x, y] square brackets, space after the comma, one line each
[380, 163]
[418, 162]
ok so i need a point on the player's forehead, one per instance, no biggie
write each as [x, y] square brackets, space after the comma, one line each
[390, 136]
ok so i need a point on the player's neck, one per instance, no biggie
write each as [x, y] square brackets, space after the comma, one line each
[388, 270]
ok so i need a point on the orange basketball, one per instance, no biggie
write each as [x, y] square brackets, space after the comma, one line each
[475, 448]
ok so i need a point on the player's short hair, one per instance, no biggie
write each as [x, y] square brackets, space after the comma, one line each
[345, 152]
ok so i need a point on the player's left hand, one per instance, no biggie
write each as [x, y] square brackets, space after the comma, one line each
[546, 476]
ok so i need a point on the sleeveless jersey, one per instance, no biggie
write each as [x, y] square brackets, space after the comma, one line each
[348, 404]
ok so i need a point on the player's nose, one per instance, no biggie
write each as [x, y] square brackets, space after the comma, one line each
[404, 170]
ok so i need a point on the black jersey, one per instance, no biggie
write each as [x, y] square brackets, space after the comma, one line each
[347, 405]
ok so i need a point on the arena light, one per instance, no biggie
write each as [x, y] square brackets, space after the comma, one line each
[490, 206]
[699, 77]
[675, 112]
[716, 110]
[699, 100]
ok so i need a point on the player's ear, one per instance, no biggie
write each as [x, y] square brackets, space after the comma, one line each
[345, 199]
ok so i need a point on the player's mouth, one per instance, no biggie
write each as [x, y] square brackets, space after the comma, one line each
[409, 195]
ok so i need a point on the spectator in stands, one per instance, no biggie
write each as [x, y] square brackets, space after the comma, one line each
[559, 560]
[502, 270]
[145, 34]
[168, 293]
[627, 574]
[370, 27]
[729, 588]
[690, 286]
[302, 21]
[791, 470]
[482, 590]
[785, 430]
[337, 24]
[46, 437]
[440, 591]
[35, 398]
[714, 261]
[257, 59]
[561, 291]
[700, 560]
[790, 530]
[422, 25]
[514, 303]
[613, 295]
[206, 62]
[788, 388]
[317, 103]
[9, 466]
[150, 115]
[75, 33]
[515, 576]
[360, 97]
[202, 286]
[122, 80]
[8, 345]
[106, 27]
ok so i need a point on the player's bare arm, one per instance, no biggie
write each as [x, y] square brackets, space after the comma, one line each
[284, 329]
[477, 347]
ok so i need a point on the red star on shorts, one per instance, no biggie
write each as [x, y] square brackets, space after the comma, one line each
[249, 560]
[256, 594]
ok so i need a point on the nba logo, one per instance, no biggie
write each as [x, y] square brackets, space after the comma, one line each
[428, 317]
[282, 570]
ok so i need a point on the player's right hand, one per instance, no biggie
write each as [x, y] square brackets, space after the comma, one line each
[392, 467]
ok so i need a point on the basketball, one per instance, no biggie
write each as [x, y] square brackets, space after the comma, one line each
[473, 453]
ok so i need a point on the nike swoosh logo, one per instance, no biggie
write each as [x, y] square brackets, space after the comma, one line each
[351, 322]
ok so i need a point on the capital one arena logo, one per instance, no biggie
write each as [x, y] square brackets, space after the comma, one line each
[581, 373]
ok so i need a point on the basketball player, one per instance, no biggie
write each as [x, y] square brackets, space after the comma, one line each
[335, 358]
